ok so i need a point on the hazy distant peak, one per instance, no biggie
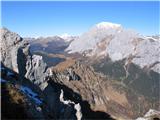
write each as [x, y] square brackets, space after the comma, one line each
[65, 35]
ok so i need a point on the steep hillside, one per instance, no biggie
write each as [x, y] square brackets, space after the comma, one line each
[107, 93]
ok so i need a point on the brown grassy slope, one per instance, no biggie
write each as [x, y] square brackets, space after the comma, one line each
[63, 65]
[12, 103]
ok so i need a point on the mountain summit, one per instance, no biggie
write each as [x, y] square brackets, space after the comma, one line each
[100, 32]
[108, 25]
[117, 43]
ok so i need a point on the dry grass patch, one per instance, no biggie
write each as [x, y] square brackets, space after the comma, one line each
[13, 103]
[15, 95]
[63, 65]
[119, 98]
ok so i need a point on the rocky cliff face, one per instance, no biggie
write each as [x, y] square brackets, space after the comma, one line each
[37, 71]
[31, 74]
[106, 93]
[10, 42]
[150, 115]
[16, 55]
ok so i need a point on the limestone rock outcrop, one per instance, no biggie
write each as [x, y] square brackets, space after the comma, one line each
[10, 42]
[30, 70]
[16, 56]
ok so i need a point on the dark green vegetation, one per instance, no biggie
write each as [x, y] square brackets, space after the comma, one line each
[142, 82]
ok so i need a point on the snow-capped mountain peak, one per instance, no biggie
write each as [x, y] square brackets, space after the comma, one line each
[116, 42]
[108, 25]
[98, 33]
[65, 35]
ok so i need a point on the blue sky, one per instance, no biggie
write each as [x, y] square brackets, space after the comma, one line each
[55, 18]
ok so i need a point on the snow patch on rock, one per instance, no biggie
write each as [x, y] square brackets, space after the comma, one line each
[88, 40]
[77, 107]
[108, 25]
[150, 115]
[31, 94]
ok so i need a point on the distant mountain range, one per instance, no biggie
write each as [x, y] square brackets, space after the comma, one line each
[108, 72]
[55, 44]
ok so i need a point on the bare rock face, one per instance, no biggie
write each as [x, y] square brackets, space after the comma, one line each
[37, 71]
[77, 107]
[69, 75]
[16, 56]
[150, 115]
[147, 54]
[10, 42]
